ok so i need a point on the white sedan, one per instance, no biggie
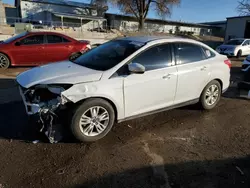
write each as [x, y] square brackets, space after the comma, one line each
[235, 48]
[124, 79]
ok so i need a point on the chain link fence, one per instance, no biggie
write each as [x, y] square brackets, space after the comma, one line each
[92, 29]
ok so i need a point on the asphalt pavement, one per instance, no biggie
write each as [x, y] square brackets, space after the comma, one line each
[180, 148]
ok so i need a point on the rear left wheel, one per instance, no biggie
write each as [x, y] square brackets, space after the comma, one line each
[211, 95]
[4, 61]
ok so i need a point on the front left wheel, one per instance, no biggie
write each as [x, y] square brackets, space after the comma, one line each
[92, 120]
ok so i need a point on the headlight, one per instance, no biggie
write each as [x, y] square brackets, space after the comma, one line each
[58, 89]
[88, 46]
[54, 88]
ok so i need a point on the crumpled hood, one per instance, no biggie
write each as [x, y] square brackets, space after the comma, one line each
[64, 72]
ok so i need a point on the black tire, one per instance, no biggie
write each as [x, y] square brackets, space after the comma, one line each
[75, 127]
[239, 54]
[74, 56]
[203, 97]
[4, 61]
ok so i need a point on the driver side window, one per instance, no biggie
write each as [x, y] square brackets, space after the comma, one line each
[157, 57]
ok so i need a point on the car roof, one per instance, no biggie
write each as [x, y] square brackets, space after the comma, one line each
[44, 32]
[147, 39]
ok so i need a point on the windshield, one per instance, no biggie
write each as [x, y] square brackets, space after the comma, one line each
[15, 37]
[108, 54]
[235, 42]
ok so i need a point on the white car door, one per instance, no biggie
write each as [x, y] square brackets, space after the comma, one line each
[193, 66]
[246, 47]
[156, 87]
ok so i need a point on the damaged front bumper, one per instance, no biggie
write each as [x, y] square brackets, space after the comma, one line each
[45, 103]
[30, 108]
[38, 104]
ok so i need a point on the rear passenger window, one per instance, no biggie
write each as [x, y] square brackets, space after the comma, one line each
[156, 57]
[188, 53]
[65, 40]
[54, 39]
[208, 53]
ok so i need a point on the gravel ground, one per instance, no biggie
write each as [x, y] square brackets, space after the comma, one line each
[185, 147]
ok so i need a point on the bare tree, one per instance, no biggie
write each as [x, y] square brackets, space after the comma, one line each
[244, 7]
[101, 6]
[140, 8]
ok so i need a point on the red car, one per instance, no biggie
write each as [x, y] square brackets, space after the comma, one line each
[37, 48]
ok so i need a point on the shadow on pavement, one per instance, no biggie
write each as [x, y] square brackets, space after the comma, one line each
[14, 120]
[15, 123]
[228, 173]
[236, 77]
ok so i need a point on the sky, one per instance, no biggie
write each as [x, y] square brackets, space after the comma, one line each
[191, 10]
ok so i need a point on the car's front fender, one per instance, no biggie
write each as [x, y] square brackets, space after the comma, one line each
[113, 92]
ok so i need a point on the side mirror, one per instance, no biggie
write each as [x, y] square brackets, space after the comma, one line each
[18, 44]
[136, 68]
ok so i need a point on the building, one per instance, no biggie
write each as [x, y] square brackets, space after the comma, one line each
[238, 27]
[60, 13]
[129, 23]
[221, 24]
[2, 14]
[63, 14]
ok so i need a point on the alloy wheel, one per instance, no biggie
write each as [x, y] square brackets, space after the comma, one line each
[212, 95]
[4, 62]
[94, 121]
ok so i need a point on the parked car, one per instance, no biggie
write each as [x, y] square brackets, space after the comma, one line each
[37, 48]
[124, 79]
[235, 48]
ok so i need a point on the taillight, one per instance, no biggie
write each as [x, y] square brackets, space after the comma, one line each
[88, 46]
[228, 63]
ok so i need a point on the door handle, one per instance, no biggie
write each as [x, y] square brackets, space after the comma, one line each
[168, 76]
[204, 68]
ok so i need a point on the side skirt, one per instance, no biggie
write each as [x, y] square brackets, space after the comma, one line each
[160, 110]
